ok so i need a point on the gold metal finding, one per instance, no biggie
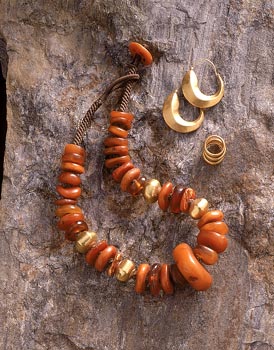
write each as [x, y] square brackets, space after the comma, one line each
[125, 270]
[85, 240]
[214, 150]
[174, 120]
[152, 189]
[198, 208]
[193, 93]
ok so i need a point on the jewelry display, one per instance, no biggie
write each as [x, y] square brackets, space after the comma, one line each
[104, 256]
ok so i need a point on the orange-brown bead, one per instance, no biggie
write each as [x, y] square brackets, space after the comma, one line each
[115, 141]
[136, 186]
[68, 220]
[140, 50]
[104, 257]
[121, 171]
[70, 192]
[175, 200]
[71, 148]
[77, 227]
[213, 240]
[93, 253]
[154, 279]
[69, 178]
[75, 168]
[65, 201]
[210, 216]
[114, 265]
[126, 115]
[67, 209]
[121, 121]
[112, 162]
[188, 195]
[165, 279]
[165, 195]
[127, 179]
[141, 277]
[120, 150]
[176, 276]
[216, 226]
[115, 130]
[206, 254]
[196, 275]
[73, 158]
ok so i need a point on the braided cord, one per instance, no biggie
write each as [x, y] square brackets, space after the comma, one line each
[128, 88]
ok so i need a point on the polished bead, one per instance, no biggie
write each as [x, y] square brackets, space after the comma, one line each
[152, 189]
[125, 270]
[113, 267]
[85, 240]
[165, 196]
[75, 168]
[73, 158]
[115, 130]
[77, 227]
[121, 121]
[213, 240]
[129, 176]
[104, 257]
[72, 148]
[198, 208]
[93, 253]
[210, 216]
[67, 209]
[175, 200]
[196, 275]
[177, 277]
[69, 178]
[188, 195]
[120, 172]
[65, 201]
[126, 115]
[137, 186]
[141, 278]
[166, 282]
[115, 141]
[68, 220]
[112, 162]
[207, 255]
[120, 150]
[154, 279]
[216, 226]
[69, 192]
[141, 51]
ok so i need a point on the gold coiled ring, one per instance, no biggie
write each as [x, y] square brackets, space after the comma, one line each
[214, 149]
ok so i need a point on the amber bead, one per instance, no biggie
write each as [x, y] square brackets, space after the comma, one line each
[140, 50]
[127, 179]
[216, 226]
[68, 220]
[121, 121]
[67, 209]
[93, 253]
[213, 240]
[71, 148]
[210, 216]
[166, 282]
[65, 201]
[136, 186]
[112, 162]
[112, 269]
[75, 168]
[115, 130]
[207, 255]
[120, 150]
[176, 276]
[115, 141]
[104, 257]
[126, 115]
[154, 279]
[165, 196]
[141, 278]
[77, 227]
[196, 275]
[73, 158]
[198, 207]
[120, 172]
[70, 192]
[175, 200]
[69, 178]
[188, 195]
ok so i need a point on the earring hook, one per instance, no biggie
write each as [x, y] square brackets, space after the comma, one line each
[205, 60]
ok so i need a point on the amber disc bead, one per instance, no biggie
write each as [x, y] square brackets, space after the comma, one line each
[112, 162]
[154, 279]
[73, 158]
[165, 279]
[67, 209]
[210, 216]
[65, 201]
[121, 121]
[177, 277]
[115, 141]
[77, 227]
[72, 148]
[93, 253]
[165, 195]
[69, 178]
[141, 278]
[120, 150]
[104, 257]
[175, 200]
[216, 226]
[68, 220]
[140, 50]
[206, 254]
[115, 130]
[121, 171]
[188, 195]
[213, 240]
[132, 174]
[126, 115]
[70, 192]
[75, 168]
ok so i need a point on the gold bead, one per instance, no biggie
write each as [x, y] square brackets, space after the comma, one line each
[85, 240]
[152, 189]
[198, 208]
[125, 270]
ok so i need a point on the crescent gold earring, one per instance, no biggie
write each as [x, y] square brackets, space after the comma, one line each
[193, 93]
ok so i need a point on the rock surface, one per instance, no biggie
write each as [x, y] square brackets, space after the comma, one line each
[61, 56]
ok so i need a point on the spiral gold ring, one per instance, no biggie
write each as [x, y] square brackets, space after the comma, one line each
[214, 149]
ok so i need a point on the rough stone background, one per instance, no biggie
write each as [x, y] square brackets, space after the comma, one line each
[61, 54]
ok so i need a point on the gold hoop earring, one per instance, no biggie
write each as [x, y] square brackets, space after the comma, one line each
[174, 120]
[193, 93]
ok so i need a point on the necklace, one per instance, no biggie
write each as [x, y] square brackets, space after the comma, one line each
[187, 268]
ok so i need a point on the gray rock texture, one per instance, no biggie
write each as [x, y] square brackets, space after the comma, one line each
[61, 56]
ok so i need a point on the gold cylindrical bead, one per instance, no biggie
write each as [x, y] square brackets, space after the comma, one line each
[125, 270]
[152, 189]
[85, 240]
[198, 208]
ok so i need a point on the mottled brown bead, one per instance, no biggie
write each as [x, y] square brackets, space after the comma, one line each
[136, 186]
[213, 240]
[65, 201]
[115, 141]
[121, 121]
[112, 162]
[93, 253]
[176, 276]
[71, 148]
[69, 178]
[175, 200]
[67, 209]
[77, 227]
[166, 282]
[68, 220]
[154, 279]
[75, 168]
[104, 257]
[141, 278]
[165, 196]
[216, 226]
[207, 255]
[73, 158]
[126, 115]
[70, 192]
[188, 195]
[115, 130]
[127, 179]
[210, 216]
[119, 150]
[120, 172]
